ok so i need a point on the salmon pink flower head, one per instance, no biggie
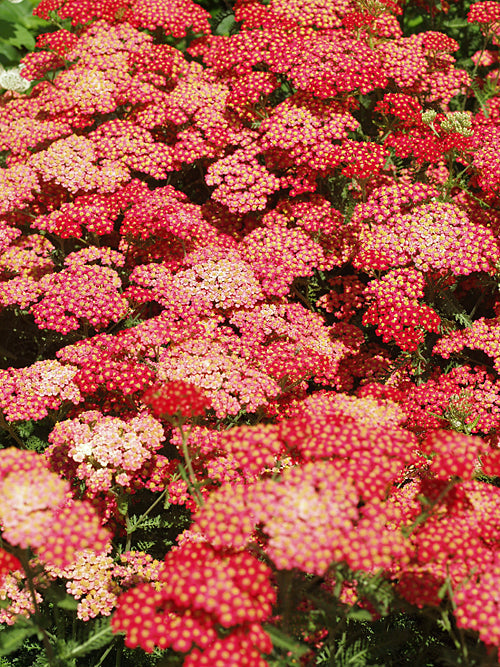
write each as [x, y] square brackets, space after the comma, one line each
[38, 511]
[176, 398]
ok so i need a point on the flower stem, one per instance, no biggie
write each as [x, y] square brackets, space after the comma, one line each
[189, 465]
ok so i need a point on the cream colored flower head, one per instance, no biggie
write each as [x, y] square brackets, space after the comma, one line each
[11, 79]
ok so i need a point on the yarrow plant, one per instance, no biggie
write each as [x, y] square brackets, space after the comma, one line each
[250, 370]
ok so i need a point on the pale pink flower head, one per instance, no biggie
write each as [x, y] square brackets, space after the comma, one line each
[105, 451]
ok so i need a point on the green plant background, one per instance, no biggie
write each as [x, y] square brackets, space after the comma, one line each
[18, 30]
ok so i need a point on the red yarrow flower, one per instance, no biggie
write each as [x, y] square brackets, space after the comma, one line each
[484, 12]
[200, 589]
[176, 398]
[8, 563]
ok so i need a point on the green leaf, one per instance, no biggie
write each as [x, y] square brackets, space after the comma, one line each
[8, 54]
[18, 29]
[23, 38]
[69, 603]
[18, 12]
[122, 503]
[481, 97]
[226, 26]
[13, 638]
[59, 596]
[55, 593]
[7, 30]
[415, 22]
[284, 641]
[101, 636]
[456, 23]
[357, 614]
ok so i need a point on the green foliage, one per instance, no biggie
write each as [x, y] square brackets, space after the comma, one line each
[22, 343]
[314, 623]
[351, 653]
[453, 22]
[29, 655]
[100, 649]
[26, 434]
[282, 640]
[156, 530]
[101, 635]
[12, 638]
[224, 23]
[32, 434]
[380, 630]
[18, 30]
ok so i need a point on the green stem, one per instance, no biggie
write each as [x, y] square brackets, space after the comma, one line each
[285, 580]
[130, 530]
[132, 527]
[460, 643]
[189, 465]
[4, 424]
[37, 616]
[81, 649]
[452, 181]
[408, 530]
[495, 82]
[476, 67]
[104, 655]
[119, 654]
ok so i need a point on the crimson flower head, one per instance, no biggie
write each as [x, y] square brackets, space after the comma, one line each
[203, 593]
[484, 12]
[176, 398]
[8, 562]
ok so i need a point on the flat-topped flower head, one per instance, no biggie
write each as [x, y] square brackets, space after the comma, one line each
[105, 452]
[12, 79]
[200, 591]
[8, 563]
[176, 398]
[487, 11]
[38, 511]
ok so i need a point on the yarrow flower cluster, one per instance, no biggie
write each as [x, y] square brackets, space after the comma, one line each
[201, 589]
[104, 452]
[396, 311]
[176, 397]
[466, 398]
[12, 79]
[38, 511]
[80, 293]
[481, 335]
[16, 598]
[96, 580]
[29, 393]
[484, 12]
[315, 502]
[8, 563]
[436, 236]
[243, 184]
[248, 311]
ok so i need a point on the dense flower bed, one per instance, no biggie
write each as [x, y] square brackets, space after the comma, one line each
[249, 271]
